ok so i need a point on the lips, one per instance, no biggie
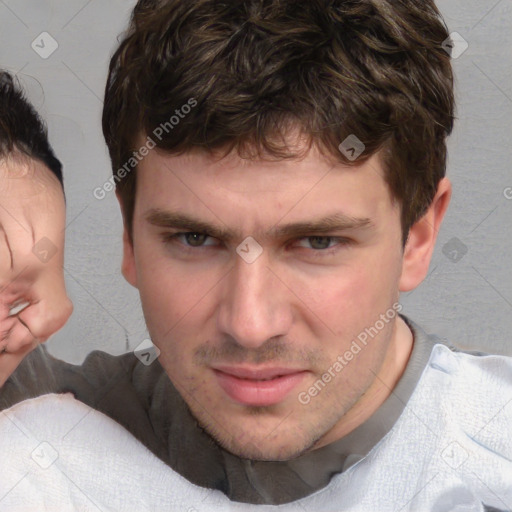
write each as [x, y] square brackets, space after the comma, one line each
[258, 386]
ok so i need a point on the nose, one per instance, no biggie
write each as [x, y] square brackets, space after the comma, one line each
[254, 307]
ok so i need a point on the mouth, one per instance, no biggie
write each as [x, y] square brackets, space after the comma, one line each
[258, 387]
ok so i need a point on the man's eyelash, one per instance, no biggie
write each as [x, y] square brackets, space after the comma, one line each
[341, 241]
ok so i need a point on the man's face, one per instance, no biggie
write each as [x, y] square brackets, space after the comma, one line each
[245, 337]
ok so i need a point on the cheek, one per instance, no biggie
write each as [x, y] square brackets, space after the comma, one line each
[163, 289]
[176, 300]
[167, 304]
[353, 296]
[347, 301]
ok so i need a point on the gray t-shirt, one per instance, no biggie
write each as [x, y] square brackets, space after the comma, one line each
[143, 400]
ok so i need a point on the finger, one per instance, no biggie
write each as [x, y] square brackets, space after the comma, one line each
[48, 315]
[17, 338]
[6, 328]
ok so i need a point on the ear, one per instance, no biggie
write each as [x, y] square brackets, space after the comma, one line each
[128, 267]
[422, 239]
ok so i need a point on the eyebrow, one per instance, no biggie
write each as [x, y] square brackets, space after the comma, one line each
[324, 225]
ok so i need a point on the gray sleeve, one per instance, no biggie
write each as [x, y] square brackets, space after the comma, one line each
[36, 375]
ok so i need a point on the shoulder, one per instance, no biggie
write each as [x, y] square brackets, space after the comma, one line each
[478, 389]
[121, 387]
[60, 453]
[473, 372]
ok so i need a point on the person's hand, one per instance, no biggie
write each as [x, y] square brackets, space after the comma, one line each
[33, 299]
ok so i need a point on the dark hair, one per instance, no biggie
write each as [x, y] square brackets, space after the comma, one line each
[21, 127]
[373, 68]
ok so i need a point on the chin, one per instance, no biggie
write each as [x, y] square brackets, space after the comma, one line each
[256, 437]
[264, 449]
[266, 453]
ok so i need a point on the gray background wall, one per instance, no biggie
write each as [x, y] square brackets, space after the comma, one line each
[467, 297]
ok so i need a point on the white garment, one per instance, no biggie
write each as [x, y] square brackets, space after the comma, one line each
[450, 451]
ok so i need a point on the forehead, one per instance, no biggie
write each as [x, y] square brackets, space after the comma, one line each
[261, 192]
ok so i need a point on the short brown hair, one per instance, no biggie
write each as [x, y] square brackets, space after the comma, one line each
[372, 68]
